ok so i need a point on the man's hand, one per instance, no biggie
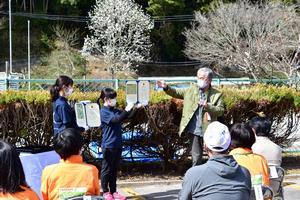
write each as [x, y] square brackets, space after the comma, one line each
[86, 128]
[203, 103]
[161, 83]
[129, 107]
[138, 105]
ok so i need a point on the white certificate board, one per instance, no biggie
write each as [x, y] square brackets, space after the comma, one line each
[93, 114]
[87, 114]
[131, 92]
[80, 114]
[273, 172]
[144, 92]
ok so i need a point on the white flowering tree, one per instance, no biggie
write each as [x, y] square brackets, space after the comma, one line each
[119, 34]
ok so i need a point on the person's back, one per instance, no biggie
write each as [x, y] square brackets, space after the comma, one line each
[71, 177]
[263, 145]
[13, 185]
[220, 178]
[243, 138]
[27, 194]
[256, 164]
[271, 151]
[72, 174]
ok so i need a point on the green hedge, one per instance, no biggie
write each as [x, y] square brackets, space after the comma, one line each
[26, 117]
[232, 95]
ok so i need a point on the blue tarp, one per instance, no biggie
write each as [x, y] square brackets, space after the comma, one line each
[128, 153]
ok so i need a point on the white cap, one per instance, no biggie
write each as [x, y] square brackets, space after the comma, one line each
[217, 137]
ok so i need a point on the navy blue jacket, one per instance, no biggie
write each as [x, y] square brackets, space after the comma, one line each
[63, 116]
[111, 119]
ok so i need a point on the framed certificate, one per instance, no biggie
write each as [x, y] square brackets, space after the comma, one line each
[80, 114]
[93, 115]
[87, 114]
[131, 92]
[144, 92]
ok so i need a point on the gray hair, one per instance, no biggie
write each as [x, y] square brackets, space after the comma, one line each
[206, 70]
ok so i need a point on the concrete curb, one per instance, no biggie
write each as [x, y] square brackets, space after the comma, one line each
[147, 183]
[169, 182]
[291, 176]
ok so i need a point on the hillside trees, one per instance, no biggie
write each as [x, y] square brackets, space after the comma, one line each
[261, 40]
[167, 34]
[63, 59]
[119, 34]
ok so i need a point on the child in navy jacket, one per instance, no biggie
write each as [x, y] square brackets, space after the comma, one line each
[111, 119]
[63, 115]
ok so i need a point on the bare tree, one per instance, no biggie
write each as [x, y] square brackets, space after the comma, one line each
[119, 34]
[30, 4]
[2, 19]
[64, 58]
[67, 38]
[261, 39]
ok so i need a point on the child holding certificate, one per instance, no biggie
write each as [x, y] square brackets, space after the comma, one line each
[63, 115]
[111, 120]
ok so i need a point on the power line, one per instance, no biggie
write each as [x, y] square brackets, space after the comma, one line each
[84, 19]
[48, 17]
[172, 64]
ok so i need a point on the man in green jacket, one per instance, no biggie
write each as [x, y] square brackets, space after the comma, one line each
[202, 104]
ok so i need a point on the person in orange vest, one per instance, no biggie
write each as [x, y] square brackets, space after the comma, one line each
[242, 139]
[13, 185]
[71, 177]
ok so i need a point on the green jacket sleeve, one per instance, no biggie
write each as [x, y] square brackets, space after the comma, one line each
[176, 93]
[216, 108]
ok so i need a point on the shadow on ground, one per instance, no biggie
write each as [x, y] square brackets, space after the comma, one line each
[167, 195]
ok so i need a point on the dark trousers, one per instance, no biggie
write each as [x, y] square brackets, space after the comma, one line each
[109, 169]
[196, 143]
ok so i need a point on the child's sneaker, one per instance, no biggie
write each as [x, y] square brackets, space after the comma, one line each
[118, 196]
[108, 196]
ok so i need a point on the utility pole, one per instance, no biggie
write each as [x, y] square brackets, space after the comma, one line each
[10, 40]
[29, 54]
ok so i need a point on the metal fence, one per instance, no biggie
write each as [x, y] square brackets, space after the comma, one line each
[90, 85]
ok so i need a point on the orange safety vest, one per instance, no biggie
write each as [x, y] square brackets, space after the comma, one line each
[70, 177]
[256, 164]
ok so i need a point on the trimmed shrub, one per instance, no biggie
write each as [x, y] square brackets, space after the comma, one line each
[26, 118]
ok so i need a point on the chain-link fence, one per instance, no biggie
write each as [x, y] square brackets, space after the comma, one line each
[91, 85]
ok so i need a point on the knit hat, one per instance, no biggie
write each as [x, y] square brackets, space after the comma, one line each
[217, 137]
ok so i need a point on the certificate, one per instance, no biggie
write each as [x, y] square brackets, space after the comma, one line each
[93, 115]
[87, 114]
[143, 92]
[80, 114]
[131, 92]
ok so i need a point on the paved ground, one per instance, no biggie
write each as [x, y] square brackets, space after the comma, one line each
[292, 189]
[170, 192]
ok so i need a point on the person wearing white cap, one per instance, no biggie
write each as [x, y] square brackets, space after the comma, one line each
[221, 177]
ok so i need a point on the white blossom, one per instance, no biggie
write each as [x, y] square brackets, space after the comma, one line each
[119, 34]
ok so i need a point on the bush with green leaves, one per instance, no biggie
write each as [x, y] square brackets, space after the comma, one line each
[26, 118]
